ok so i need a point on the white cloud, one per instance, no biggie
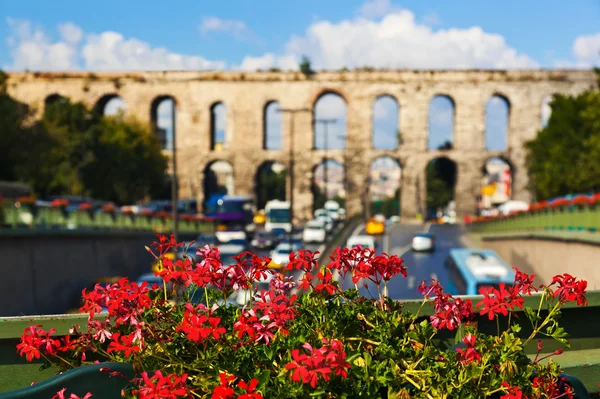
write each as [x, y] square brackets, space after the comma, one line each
[32, 49]
[216, 24]
[374, 8]
[267, 61]
[398, 41]
[587, 50]
[238, 29]
[70, 32]
[115, 105]
[331, 106]
[111, 51]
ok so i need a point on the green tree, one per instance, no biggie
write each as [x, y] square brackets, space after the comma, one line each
[562, 158]
[74, 150]
[127, 165]
[13, 143]
[271, 186]
[305, 67]
[441, 178]
[318, 197]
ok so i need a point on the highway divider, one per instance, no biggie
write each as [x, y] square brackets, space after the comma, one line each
[339, 239]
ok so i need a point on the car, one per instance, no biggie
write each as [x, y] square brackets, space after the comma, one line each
[362, 240]
[168, 255]
[423, 242]
[280, 256]
[229, 252]
[260, 218]
[395, 219]
[263, 240]
[228, 235]
[375, 226]
[242, 243]
[190, 248]
[314, 231]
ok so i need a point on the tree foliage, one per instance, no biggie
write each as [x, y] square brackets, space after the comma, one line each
[562, 158]
[73, 150]
[305, 67]
[441, 179]
[271, 186]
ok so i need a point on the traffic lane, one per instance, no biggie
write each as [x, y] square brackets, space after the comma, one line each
[395, 241]
[400, 237]
[420, 266]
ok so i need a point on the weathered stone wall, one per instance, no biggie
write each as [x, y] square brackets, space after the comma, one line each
[246, 95]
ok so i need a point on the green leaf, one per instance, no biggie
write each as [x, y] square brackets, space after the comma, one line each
[560, 335]
[531, 315]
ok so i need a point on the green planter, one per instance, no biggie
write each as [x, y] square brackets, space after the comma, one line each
[79, 381]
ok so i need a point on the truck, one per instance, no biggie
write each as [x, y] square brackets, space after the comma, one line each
[278, 216]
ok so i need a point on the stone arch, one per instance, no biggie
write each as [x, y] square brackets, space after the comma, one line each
[546, 109]
[497, 181]
[218, 126]
[442, 112]
[218, 179]
[330, 120]
[328, 182]
[386, 123]
[163, 119]
[272, 126]
[385, 185]
[441, 174]
[270, 182]
[497, 123]
[52, 98]
[110, 105]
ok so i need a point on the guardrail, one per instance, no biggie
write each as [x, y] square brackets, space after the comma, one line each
[26, 215]
[581, 361]
[581, 213]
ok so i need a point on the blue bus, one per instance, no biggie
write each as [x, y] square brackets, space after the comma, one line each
[469, 270]
[234, 217]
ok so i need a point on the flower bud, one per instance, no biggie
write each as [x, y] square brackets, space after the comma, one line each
[558, 352]
[540, 344]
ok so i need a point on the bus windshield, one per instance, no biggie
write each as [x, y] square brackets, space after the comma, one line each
[279, 215]
[230, 207]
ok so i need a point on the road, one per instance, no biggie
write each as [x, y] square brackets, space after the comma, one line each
[421, 266]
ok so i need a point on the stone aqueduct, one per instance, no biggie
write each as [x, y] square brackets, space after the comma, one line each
[247, 94]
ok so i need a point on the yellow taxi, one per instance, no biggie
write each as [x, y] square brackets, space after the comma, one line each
[375, 226]
[260, 218]
[156, 266]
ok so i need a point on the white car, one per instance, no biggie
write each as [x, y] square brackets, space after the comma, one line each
[423, 242]
[281, 254]
[228, 235]
[314, 231]
[363, 241]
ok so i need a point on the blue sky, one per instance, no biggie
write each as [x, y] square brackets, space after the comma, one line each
[250, 35]
[225, 34]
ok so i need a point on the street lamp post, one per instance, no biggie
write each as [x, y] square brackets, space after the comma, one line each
[174, 192]
[293, 112]
[325, 123]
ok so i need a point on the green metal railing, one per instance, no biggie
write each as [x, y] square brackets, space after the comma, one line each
[28, 216]
[582, 360]
[566, 218]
